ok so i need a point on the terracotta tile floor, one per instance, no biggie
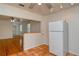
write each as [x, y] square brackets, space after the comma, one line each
[41, 50]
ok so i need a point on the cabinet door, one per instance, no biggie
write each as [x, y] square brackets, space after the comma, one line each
[2, 48]
[56, 42]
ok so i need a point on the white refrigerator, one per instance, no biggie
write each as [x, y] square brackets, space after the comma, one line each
[58, 37]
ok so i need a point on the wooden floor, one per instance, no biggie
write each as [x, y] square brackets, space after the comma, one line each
[41, 50]
[10, 46]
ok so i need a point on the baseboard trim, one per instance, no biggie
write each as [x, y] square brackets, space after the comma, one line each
[33, 46]
[70, 53]
[67, 54]
[52, 52]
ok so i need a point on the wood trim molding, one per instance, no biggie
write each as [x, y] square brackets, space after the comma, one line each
[70, 53]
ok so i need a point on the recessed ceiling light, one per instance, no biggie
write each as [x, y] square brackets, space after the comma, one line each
[71, 3]
[61, 6]
[51, 10]
[39, 3]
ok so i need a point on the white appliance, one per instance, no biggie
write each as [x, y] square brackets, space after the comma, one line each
[58, 37]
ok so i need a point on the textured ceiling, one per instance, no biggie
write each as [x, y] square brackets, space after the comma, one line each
[43, 9]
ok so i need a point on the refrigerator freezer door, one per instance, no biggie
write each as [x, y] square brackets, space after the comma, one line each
[56, 26]
[56, 42]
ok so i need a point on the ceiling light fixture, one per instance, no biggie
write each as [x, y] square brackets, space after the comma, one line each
[12, 19]
[51, 10]
[71, 3]
[61, 6]
[39, 3]
[22, 5]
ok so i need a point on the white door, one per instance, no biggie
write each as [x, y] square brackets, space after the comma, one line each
[56, 42]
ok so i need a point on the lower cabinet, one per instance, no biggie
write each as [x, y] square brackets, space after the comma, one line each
[10, 46]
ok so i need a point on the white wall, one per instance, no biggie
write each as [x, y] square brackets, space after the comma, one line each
[71, 15]
[5, 29]
[32, 40]
[44, 29]
[35, 27]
